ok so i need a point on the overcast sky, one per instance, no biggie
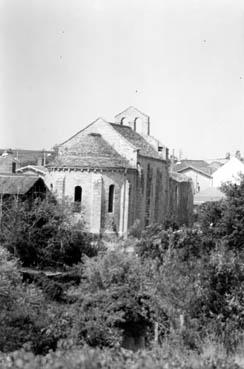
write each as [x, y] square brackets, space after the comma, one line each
[63, 63]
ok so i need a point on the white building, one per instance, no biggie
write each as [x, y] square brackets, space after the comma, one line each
[229, 172]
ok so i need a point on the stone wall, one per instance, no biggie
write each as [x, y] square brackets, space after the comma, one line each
[181, 202]
[149, 192]
[95, 195]
[8, 164]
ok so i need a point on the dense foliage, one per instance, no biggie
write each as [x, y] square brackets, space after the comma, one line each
[42, 233]
[23, 310]
[179, 287]
[224, 220]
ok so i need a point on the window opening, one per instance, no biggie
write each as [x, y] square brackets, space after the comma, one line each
[13, 167]
[111, 199]
[77, 198]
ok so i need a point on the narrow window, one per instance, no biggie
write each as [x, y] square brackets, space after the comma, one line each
[111, 199]
[13, 167]
[77, 198]
[135, 124]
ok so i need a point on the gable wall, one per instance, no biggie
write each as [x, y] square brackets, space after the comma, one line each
[228, 172]
[204, 181]
[109, 134]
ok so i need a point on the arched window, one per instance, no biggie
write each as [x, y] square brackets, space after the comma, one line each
[77, 198]
[111, 199]
[139, 125]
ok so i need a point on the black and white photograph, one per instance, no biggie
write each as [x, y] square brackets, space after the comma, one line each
[121, 184]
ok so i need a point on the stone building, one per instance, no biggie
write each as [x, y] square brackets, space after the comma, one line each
[8, 162]
[115, 173]
[17, 185]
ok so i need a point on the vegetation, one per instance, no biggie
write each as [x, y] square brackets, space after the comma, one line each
[42, 234]
[177, 301]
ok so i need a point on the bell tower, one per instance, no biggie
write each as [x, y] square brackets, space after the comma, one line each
[135, 119]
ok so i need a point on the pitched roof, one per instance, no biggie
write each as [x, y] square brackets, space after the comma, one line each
[200, 166]
[179, 177]
[131, 109]
[209, 194]
[145, 149]
[34, 168]
[90, 151]
[16, 184]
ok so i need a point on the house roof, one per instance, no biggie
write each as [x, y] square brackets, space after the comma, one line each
[34, 168]
[209, 194]
[179, 177]
[200, 166]
[16, 184]
[90, 151]
[145, 149]
[215, 165]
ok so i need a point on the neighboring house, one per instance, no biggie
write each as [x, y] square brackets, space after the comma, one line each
[113, 173]
[14, 185]
[199, 172]
[208, 195]
[180, 199]
[21, 187]
[24, 157]
[214, 165]
[8, 163]
[229, 172]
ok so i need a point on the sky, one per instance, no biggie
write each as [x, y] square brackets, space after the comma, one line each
[63, 63]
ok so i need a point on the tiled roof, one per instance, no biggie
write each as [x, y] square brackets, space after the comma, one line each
[90, 151]
[34, 168]
[137, 140]
[73, 161]
[178, 177]
[209, 194]
[16, 184]
[198, 165]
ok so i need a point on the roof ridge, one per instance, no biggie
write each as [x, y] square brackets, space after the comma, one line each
[77, 133]
[132, 107]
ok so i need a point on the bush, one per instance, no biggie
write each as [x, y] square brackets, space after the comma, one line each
[43, 234]
[224, 220]
[88, 358]
[22, 313]
[118, 301]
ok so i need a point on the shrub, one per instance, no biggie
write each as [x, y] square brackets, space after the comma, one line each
[88, 358]
[43, 234]
[118, 300]
[22, 313]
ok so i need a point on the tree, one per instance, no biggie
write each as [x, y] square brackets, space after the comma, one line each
[224, 220]
[42, 233]
[118, 302]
